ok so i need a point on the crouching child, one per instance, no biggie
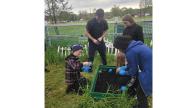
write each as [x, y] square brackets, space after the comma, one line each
[73, 78]
[139, 67]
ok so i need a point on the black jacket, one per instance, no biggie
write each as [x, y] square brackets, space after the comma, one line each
[96, 28]
[135, 31]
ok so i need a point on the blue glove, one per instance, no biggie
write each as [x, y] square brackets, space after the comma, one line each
[123, 88]
[123, 67]
[110, 70]
[122, 70]
[86, 68]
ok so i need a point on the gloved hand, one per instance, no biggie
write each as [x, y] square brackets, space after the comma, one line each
[110, 70]
[123, 67]
[122, 70]
[86, 68]
[87, 63]
[123, 88]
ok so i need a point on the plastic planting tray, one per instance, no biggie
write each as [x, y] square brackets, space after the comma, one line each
[107, 83]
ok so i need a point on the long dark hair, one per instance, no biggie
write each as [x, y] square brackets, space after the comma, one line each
[121, 42]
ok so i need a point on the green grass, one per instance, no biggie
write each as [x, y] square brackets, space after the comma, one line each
[65, 42]
[68, 30]
[145, 18]
[73, 30]
[55, 96]
[80, 29]
[113, 19]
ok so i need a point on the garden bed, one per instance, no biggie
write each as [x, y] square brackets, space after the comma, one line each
[107, 83]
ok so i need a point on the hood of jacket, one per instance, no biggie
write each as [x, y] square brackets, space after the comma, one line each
[133, 43]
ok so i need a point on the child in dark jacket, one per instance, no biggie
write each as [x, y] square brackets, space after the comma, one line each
[73, 66]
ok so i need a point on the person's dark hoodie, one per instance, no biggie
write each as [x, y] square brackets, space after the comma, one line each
[139, 58]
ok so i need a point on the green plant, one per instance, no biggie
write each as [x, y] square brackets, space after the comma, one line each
[55, 87]
[147, 41]
[86, 101]
[52, 57]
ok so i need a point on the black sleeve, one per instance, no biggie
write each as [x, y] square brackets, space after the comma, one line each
[105, 25]
[124, 31]
[140, 34]
[81, 65]
[88, 26]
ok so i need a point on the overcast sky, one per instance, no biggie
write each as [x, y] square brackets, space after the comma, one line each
[105, 4]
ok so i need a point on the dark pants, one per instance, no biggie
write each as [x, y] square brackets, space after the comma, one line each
[141, 98]
[72, 88]
[77, 86]
[101, 48]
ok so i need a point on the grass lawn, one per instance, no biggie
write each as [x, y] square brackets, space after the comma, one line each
[80, 29]
[55, 96]
[74, 30]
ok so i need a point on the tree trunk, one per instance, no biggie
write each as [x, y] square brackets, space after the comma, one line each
[54, 18]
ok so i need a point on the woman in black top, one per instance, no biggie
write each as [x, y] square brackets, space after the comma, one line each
[132, 29]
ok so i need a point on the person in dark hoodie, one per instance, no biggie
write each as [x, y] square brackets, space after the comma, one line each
[131, 29]
[139, 67]
[73, 67]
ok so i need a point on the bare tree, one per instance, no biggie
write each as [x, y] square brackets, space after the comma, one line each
[116, 11]
[144, 4]
[55, 7]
